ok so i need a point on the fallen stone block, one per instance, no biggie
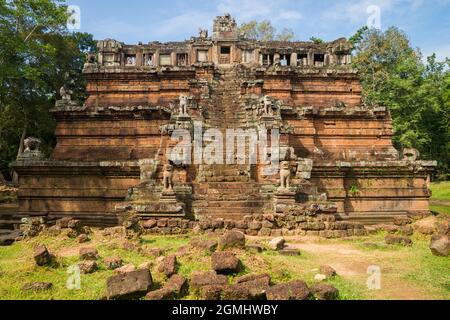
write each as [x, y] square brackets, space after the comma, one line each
[129, 285]
[42, 256]
[87, 267]
[168, 266]
[328, 271]
[37, 286]
[89, 254]
[232, 239]
[325, 292]
[113, 263]
[440, 246]
[125, 269]
[392, 239]
[201, 279]
[277, 243]
[225, 263]
[295, 290]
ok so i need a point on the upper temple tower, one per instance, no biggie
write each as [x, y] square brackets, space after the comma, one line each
[225, 28]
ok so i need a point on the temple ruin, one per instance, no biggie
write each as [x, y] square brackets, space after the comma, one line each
[111, 155]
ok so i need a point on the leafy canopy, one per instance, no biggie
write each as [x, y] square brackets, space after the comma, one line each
[37, 56]
[395, 75]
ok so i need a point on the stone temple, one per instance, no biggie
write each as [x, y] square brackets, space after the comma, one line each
[112, 155]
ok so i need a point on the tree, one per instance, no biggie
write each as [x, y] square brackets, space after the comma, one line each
[286, 35]
[393, 74]
[316, 40]
[265, 31]
[37, 56]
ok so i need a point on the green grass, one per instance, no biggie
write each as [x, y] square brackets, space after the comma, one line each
[414, 266]
[441, 191]
[440, 201]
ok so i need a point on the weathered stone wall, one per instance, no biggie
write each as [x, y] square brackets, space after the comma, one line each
[309, 91]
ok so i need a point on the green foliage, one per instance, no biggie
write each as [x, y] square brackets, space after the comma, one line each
[37, 56]
[265, 31]
[354, 190]
[441, 191]
[316, 40]
[393, 74]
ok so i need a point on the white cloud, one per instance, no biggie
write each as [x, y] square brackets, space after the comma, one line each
[245, 10]
[290, 15]
[354, 11]
[188, 22]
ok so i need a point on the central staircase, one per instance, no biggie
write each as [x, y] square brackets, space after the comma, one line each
[227, 191]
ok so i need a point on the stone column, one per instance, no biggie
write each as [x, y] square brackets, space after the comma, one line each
[173, 58]
[156, 57]
[294, 59]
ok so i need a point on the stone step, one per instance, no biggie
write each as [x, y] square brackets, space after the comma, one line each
[226, 179]
[221, 212]
[230, 204]
[372, 218]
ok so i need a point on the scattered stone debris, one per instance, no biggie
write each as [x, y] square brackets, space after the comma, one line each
[113, 263]
[277, 243]
[83, 238]
[320, 277]
[175, 287]
[327, 271]
[225, 262]
[402, 221]
[211, 292]
[168, 266]
[289, 252]
[115, 232]
[87, 267]
[37, 286]
[294, 290]
[325, 292]
[130, 246]
[256, 248]
[235, 293]
[178, 285]
[131, 285]
[125, 269]
[89, 254]
[208, 245]
[32, 227]
[392, 239]
[232, 239]
[257, 285]
[155, 252]
[440, 246]
[201, 279]
[145, 266]
[42, 256]
[160, 294]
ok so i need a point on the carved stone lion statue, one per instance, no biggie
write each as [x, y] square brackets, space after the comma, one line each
[285, 175]
[65, 93]
[184, 103]
[267, 102]
[32, 144]
[167, 178]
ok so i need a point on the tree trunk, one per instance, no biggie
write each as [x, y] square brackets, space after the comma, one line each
[2, 179]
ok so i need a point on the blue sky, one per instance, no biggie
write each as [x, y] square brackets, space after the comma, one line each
[427, 22]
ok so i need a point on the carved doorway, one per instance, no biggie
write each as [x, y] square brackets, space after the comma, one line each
[225, 55]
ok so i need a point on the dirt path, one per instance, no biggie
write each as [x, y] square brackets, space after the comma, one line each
[352, 264]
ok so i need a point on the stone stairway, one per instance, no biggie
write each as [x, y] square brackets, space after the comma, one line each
[227, 191]
[8, 221]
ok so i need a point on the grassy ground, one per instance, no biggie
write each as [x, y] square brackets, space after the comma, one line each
[440, 202]
[407, 272]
